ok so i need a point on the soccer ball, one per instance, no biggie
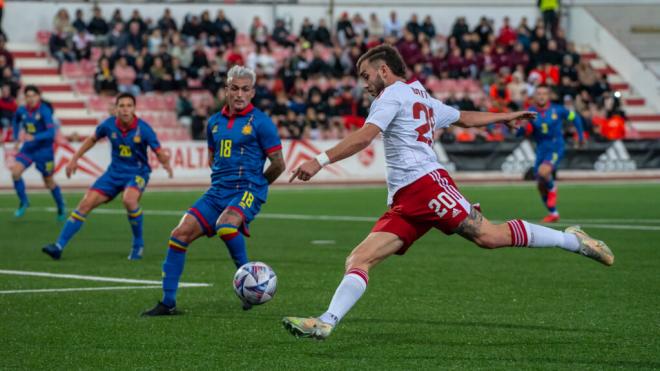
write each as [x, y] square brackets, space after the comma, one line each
[255, 283]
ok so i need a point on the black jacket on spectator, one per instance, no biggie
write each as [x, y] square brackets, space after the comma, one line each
[225, 30]
[322, 35]
[166, 25]
[79, 24]
[98, 26]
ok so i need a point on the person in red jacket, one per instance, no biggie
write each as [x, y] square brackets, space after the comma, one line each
[8, 106]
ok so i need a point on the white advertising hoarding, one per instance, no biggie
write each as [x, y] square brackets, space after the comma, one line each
[190, 164]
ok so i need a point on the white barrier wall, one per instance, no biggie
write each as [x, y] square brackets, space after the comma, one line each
[190, 164]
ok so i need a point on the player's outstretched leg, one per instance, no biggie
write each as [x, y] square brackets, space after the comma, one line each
[548, 190]
[73, 224]
[135, 218]
[56, 192]
[185, 233]
[519, 233]
[19, 185]
[374, 249]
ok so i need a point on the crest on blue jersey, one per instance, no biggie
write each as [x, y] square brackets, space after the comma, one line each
[247, 129]
[215, 130]
[114, 135]
[137, 139]
[37, 116]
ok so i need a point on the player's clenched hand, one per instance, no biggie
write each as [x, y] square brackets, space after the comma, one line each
[71, 168]
[168, 168]
[520, 115]
[306, 171]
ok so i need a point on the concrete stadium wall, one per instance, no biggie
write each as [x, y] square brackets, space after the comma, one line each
[23, 19]
[585, 29]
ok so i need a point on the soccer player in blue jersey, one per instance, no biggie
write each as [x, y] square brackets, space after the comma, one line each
[130, 137]
[36, 119]
[548, 134]
[240, 138]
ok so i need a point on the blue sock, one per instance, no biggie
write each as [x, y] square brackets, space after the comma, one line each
[71, 227]
[235, 243]
[135, 217]
[57, 196]
[19, 186]
[172, 269]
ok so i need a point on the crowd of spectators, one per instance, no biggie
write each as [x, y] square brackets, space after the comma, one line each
[306, 80]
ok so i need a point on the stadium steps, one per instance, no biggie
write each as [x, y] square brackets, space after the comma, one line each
[642, 118]
[77, 106]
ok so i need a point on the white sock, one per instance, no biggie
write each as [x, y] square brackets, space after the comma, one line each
[348, 293]
[534, 235]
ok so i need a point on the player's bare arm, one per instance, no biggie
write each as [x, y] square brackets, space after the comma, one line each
[352, 144]
[276, 167]
[164, 159]
[86, 146]
[475, 118]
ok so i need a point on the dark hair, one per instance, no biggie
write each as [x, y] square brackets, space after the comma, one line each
[125, 95]
[31, 88]
[389, 55]
[544, 86]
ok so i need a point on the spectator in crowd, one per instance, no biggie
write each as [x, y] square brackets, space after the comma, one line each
[322, 34]
[393, 26]
[375, 27]
[184, 108]
[62, 24]
[82, 44]
[225, 29]
[281, 35]
[166, 23]
[104, 81]
[345, 31]
[8, 106]
[98, 27]
[125, 77]
[198, 124]
[550, 11]
[259, 33]
[4, 52]
[307, 30]
[79, 21]
[305, 85]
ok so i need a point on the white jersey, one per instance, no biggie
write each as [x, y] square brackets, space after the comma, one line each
[408, 115]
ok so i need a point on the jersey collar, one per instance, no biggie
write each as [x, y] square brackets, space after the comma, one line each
[248, 109]
[123, 130]
[33, 109]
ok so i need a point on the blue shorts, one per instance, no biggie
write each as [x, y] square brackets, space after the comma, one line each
[207, 209]
[551, 156]
[44, 160]
[110, 184]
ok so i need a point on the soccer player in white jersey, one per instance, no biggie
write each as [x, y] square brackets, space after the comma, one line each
[422, 195]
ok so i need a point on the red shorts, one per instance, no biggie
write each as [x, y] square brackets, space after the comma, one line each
[432, 201]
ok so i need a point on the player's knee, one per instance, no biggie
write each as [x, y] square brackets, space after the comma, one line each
[358, 260]
[49, 182]
[130, 202]
[182, 234]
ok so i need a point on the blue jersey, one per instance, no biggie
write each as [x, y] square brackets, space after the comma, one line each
[37, 122]
[547, 127]
[240, 145]
[129, 147]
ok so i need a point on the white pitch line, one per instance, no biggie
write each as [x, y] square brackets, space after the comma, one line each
[74, 289]
[587, 223]
[95, 278]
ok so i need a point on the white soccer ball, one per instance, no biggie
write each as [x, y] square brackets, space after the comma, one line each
[255, 283]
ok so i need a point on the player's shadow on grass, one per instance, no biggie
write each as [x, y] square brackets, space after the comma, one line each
[491, 325]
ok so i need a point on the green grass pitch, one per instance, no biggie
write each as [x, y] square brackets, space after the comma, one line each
[445, 305]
